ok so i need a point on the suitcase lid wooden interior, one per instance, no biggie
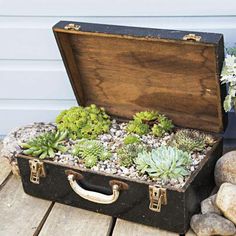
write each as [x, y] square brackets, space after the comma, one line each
[129, 69]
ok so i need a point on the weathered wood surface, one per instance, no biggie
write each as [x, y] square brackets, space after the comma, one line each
[5, 167]
[177, 78]
[20, 214]
[75, 221]
[123, 227]
[190, 233]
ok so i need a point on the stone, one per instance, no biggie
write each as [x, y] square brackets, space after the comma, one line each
[225, 170]
[226, 201]
[209, 206]
[211, 224]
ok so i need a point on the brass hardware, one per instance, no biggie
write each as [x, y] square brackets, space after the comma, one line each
[192, 37]
[37, 171]
[72, 26]
[158, 197]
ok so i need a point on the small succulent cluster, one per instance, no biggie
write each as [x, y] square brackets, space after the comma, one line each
[191, 140]
[131, 139]
[128, 153]
[164, 163]
[91, 151]
[145, 121]
[45, 145]
[84, 122]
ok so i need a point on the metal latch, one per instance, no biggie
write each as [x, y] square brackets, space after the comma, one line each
[72, 26]
[192, 37]
[157, 197]
[37, 170]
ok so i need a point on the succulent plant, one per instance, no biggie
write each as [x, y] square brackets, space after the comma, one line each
[163, 126]
[164, 163]
[84, 122]
[45, 145]
[91, 151]
[191, 140]
[146, 116]
[137, 127]
[130, 139]
[128, 153]
[146, 120]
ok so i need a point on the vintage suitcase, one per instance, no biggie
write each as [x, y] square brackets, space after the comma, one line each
[126, 70]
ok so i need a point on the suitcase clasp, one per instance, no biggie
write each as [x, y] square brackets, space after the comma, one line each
[37, 170]
[157, 198]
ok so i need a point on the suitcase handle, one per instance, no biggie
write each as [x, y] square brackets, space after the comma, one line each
[92, 196]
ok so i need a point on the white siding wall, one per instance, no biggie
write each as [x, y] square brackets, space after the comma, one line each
[33, 82]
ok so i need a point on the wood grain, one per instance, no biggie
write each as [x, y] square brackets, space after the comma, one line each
[5, 167]
[20, 214]
[130, 74]
[66, 220]
[123, 228]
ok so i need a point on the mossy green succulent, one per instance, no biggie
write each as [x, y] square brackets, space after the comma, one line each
[84, 122]
[131, 139]
[163, 126]
[45, 145]
[137, 127]
[91, 151]
[128, 153]
[150, 121]
[164, 163]
[191, 140]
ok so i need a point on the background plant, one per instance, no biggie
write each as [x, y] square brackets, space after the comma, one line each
[91, 151]
[228, 75]
[84, 122]
[191, 140]
[164, 163]
[45, 145]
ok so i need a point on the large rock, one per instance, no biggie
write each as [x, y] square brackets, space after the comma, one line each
[208, 206]
[226, 201]
[212, 224]
[225, 170]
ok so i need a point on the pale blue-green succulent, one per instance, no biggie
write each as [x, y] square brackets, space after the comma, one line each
[164, 163]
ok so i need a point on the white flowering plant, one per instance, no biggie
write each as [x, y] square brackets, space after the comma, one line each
[228, 75]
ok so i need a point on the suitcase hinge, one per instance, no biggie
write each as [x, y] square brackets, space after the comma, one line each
[192, 37]
[157, 197]
[37, 171]
[72, 26]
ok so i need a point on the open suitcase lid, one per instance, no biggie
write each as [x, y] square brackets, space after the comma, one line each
[129, 69]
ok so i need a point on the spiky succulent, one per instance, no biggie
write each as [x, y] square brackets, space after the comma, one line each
[131, 139]
[84, 122]
[164, 163]
[191, 140]
[163, 126]
[128, 153]
[145, 121]
[45, 145]
[91, 151]
[146, 116]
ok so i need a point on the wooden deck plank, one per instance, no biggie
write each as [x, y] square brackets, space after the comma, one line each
[65, 220]
[190, 233]
[123, 227]
[5, 167]
[20, 213]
